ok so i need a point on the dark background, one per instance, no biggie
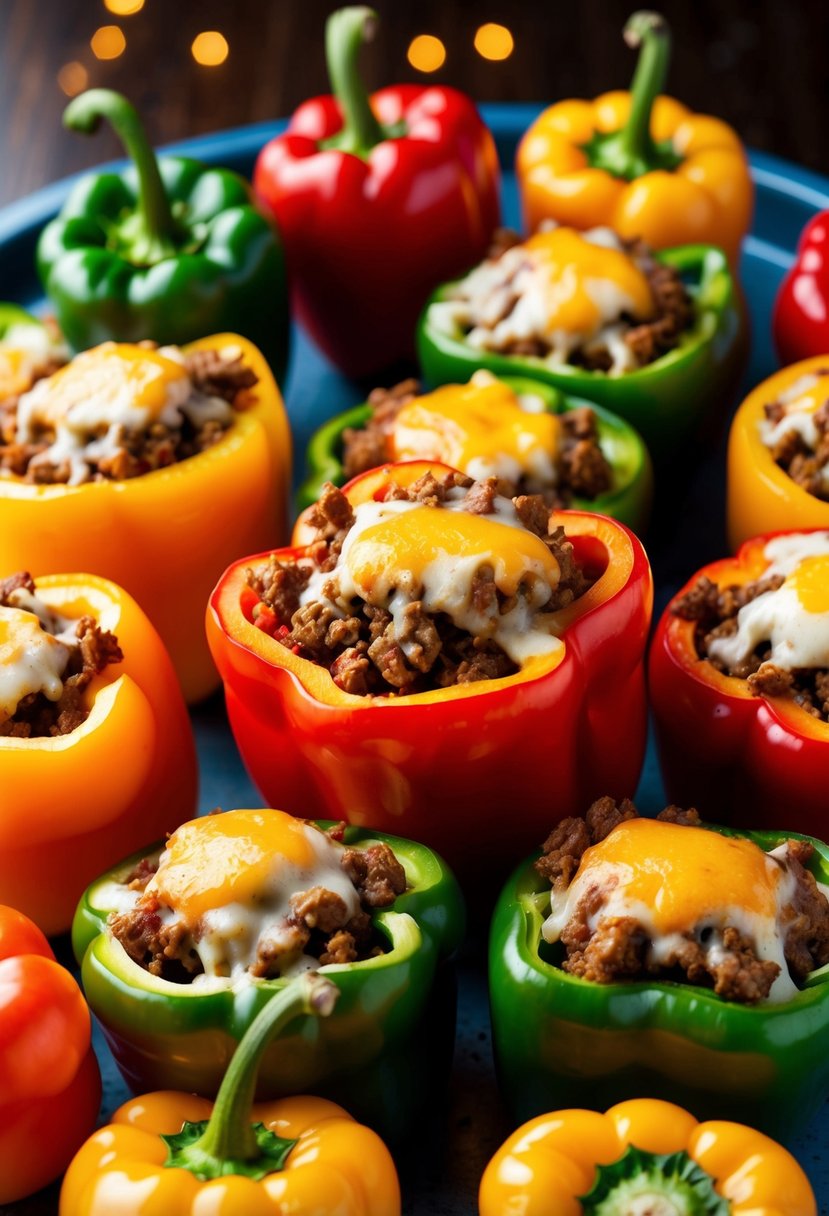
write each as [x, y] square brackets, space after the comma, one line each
[761, 66]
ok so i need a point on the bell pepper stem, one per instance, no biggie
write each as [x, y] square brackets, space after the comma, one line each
[649, 32]
[345, 32]
[150, 233]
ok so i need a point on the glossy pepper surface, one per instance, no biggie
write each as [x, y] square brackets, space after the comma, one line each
[371, 1053]
[801, 309]
[50, 1086]
[560, 1039]
[177, 1154]
[627, 499]
[72, 804]
[738, 758]
[637, 162]
[170, 250]
[378, 199]
[166, 535]
[443, 762]
[760, 496]
[667, 401]
[642, 1156]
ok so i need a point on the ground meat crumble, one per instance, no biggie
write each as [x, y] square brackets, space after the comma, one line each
[806, 465]
[362, 651]
[617, 948]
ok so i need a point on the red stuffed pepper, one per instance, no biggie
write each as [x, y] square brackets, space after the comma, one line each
[739, 678]
[378, 200]
[801, 310]
[478, 703]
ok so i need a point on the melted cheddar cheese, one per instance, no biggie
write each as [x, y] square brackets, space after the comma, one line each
[31, 660]
[24, 351]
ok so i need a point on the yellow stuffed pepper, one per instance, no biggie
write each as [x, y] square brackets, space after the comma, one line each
[96, 751]
[153, 467]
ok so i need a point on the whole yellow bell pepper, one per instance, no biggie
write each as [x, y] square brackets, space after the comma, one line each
[642, 1156]
[639, 163]
[73, 805]
[173, 1154]
[167, 535]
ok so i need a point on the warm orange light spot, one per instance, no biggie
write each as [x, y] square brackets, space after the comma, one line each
[73, 78]
[426, 53]
[210, 48]
[108, 42]
[124, 8]
[493, 41]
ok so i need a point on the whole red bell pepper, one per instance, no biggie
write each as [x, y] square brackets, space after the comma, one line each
[801, 311]
[50, 1085]
[378, 200]
[477, 771]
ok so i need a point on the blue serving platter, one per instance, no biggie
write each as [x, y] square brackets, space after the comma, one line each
[690, 533]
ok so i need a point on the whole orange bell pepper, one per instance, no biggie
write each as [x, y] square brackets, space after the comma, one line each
[167, 535]
[639, 163]
[50, 1085]
[73, 805]
[642, 1156]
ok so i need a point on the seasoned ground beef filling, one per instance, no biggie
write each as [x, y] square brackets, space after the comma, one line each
[318, 925]
[38, 717]
[616, 948]
[807, 463]
[582, 468]
[714, 611]
[363, 652]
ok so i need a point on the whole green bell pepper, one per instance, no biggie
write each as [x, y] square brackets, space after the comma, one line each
[628, 499]
[385, 1051]
[169, 250]
[562, 1041]
[669, 401]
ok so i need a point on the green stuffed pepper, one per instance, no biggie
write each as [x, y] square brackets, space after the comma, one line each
[528, 432]
[273, 895]
[656, 338]
[665, 980]
[171, 249]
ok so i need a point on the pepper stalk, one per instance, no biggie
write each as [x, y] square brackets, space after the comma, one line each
[346, 31]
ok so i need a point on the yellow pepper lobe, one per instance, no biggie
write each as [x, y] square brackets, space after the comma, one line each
[230, 858]
[581, 275]
[810, 581]
[31, 660]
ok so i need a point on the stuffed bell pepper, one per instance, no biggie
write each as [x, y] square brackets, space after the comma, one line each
[529, 435]
[653, 337]
[778, 454]
[29, 350]
[739, 679]
[151, 466]
[182, 946]
[439, 659]
[638, 162]
[96, 751]
[170, 250]
[664, 958]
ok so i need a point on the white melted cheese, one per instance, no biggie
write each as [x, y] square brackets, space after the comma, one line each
[801, 401]
[35, 646]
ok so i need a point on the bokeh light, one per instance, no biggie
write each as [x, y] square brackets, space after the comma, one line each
[108, 42]
[73, 78]
[426, 53]
[493, 41]
[124, 8]
[210, 48]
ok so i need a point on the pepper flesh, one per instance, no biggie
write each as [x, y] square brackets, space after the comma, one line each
[800, 322]
[50, 1085]
[548, 1164]
[67, 808]
[166, 535]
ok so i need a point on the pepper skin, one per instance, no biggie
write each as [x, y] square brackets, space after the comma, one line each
[628, 499]
[760, 496]
[547, 1167]
[800, 323]
[166, 535]
[377, 200]
[667, 401]
[437, 764]
[50, 1085]
[639, 163]
[170, 250]
[371, 1054]
[736, 757]
[559, 1039]
[71, 805]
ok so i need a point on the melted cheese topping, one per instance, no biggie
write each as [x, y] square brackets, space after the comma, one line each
[34, 652]
[801, 401]
[23, 351]
[680, 882]
[481, 428]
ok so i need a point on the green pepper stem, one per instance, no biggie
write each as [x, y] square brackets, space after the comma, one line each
[152, 234]
[345, 32]
[651, 34]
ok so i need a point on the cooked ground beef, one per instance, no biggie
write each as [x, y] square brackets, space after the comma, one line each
[617, 947]
[364, 652]
[318, 924]
[805, 465]
[36, 716]
[714, 610]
